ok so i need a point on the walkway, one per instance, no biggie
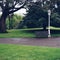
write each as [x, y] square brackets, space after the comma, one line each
[50, 42]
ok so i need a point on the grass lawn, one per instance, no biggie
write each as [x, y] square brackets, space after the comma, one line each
[55, 35]
[18, 52]
[16, 33]
[21, 33]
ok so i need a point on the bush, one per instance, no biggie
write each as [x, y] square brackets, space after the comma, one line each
[13, 21]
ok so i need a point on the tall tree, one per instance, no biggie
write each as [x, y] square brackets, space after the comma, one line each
[39, 10]
[8, 7]
[36, 16]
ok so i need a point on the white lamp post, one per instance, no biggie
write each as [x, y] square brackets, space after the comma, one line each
[49, 14]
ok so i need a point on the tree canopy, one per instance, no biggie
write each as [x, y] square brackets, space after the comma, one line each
[37, 15]
[10, 6]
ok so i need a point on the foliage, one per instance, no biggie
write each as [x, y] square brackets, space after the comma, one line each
[13, 22]
[55, 20]
[8, 7]
[37, 15]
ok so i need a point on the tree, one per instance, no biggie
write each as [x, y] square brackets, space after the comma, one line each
[55, 20]
[38, 12]
[36, 16]
[9, 7]
[13, 21]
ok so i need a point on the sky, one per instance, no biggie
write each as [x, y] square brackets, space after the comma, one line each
[21, 12]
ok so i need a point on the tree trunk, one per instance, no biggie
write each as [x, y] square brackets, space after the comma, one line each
[3, 23]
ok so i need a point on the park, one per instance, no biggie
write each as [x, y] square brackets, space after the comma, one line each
[31, 34]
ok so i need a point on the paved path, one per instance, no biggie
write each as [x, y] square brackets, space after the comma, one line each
[50, 42]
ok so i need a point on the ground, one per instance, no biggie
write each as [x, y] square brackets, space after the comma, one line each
[30, 48]
[49, 42]
[22, 52]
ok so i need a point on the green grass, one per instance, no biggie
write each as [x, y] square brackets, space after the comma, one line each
[16, 33]
[22, 33]
[18, 52]
[55, 35]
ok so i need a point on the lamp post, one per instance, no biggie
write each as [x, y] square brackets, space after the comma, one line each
[49, 14]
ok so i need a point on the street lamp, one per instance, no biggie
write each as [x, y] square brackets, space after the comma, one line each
[49, 14]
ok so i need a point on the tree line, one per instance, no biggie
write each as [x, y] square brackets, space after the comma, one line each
[10, 6]
[37, 15]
